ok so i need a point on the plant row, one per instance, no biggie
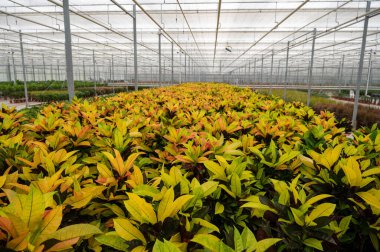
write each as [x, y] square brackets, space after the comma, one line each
[187, 168]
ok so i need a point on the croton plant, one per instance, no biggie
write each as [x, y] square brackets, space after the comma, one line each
[195, 167]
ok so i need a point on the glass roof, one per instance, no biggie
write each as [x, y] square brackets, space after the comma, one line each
[214, 41]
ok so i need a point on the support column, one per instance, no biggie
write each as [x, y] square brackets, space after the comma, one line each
[311, 68]
[159, 59]
[14, 68]
[249, 72]
[172, 78]
[369, 72]
[23, 71]
[341, 77]
[51, 72]
[135, 46]
[44, 67]
[286, 71]
[58, 71]
[94, 69]
[84, 72]
[9, 76]
[185, 69]
[126, 69]
[68, 51]
[254, 71]
[323, 71]
[262, 69]
[33, 71]
[271, 73]
[360, 71]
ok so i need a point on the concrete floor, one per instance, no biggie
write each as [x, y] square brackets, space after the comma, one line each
[18, 106]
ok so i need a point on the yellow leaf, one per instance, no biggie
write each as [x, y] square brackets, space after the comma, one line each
[116, 162]
[352, 172]
[370, 172]
[370, 199]
[165, 206]
[50, 224]
[140, 209]
[76, 230]
[104, 171]
[179, 203]
[324, 209]
[129, 163]
[206, 224]
[33, 208]
[216, 169]
[127, 231]
[83, 197]
[63, 245]
[317, 198]
[136, 177]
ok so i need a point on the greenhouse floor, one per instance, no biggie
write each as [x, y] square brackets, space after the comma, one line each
[18, 106]
[361, 104]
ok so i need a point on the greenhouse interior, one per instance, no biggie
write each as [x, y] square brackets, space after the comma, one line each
[188, 125]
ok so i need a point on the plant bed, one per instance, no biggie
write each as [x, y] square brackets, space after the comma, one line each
[361, 101]
[187, 168]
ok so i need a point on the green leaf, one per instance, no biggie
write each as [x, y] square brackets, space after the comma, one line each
[209, 187]
[344, 225]
[265, 244]
[238, 241]
[219, 208]
[165, 246]
[211, 242]
[235, 184]
[314, 243]
[73, 231]
[113, 241]
[249, 239]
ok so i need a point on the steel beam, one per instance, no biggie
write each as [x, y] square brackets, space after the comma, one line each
[68, 51]
[310, 75]
[360, 71]
[23, 71]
